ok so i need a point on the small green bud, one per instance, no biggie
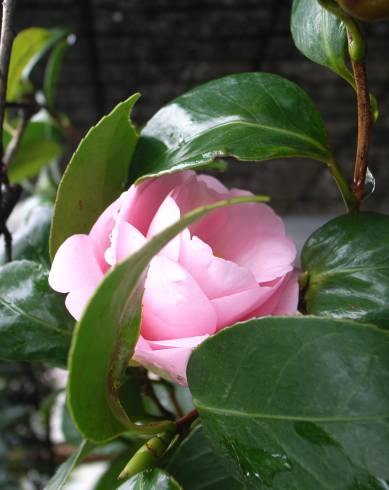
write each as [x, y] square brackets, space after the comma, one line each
[148, 455]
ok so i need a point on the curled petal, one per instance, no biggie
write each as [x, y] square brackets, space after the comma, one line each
[284, 301]
[100, 233]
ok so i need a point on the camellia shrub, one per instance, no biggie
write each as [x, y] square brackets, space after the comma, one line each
[198, 355]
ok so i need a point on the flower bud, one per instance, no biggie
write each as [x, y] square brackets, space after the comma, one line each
[367, 10]
[148, 455]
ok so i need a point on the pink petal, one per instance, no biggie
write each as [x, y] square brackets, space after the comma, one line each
[75, 270]
[167, 214]
[199, 191]
[148, 197]
[174, 306]
[234, 308]
[184, 342]
[284, 300]
[101, 231]
[77, 300]
[75, 265]
[129, 241]
[168, 362]
[253, 236]
[216, 277]
[213, 183]
[195, 192]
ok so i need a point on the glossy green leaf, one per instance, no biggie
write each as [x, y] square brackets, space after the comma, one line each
[96, 174]
[250, 116]
[34, 323]
[347, 269]
[53, 69]
[197, 467]
[106, 335]
[62, 475]
[297, 402]
[28, 48]
[322, 38]
[154, 479]
[39, 146]
[30, 241]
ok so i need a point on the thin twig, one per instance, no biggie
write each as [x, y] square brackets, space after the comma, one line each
[6, 39]
[171, 393]
[14, 144]
[186, 421]
[364, 129]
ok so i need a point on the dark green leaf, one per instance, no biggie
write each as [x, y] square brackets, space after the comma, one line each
[196, 467]
[63, 473]
[95, 175]
[39, 146]
[31, 239]
[297, 402]
[154, 479]
[250, 116]
[53, 69]
[34, 324]
[347, 267]
[322, 38]
[28, 48]
[105, 338]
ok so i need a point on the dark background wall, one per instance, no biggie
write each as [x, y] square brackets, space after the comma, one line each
[164, 47]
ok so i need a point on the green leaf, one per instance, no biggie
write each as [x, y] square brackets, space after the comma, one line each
[39, 146]
[297, 402]
[346, 264]
[154, 479]
[250, 116]
[28, 48]
[106, 335]
[63, 473]
[322, 38]
[31, 238]
[196, 467]
[53, 69]
[96, 174]
[34, 323]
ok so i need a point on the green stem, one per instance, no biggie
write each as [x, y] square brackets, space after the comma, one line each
[348, 197]
[357, 48]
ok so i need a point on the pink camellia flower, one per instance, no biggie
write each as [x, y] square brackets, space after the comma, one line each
[232, 265]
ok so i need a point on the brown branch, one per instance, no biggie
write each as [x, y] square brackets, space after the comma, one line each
[6, 40]
[186, 421]
[364, 130]
[171, 393]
